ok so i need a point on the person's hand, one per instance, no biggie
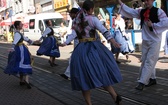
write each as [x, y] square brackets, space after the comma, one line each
[62, 44]
[114, 43]
[149, 22]
[37, 42]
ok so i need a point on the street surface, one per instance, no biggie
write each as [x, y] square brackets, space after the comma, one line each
[48, 88]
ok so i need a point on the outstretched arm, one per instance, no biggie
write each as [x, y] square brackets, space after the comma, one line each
[47, 31]
[127, 11]
[71, 37]
[105, 32]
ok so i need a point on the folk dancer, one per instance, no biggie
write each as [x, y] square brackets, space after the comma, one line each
[19, 59]
[49, 46]
[92, 64]
[153, 22]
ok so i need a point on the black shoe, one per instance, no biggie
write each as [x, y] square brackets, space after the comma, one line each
[28, 85]
[54, 64]
[118, 62]
[118, 100]
[140, 86]
[64, 76]
[39, 54]
[51, 64]
[151, 82]
[22, 83]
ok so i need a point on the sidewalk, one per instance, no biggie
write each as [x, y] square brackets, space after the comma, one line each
[135, 57]
[58, 90]
[14, 94]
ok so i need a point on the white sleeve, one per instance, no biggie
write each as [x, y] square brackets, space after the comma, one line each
[47, 31]
[162, 25]
[97, 24]
[71, 37]
[129, 12]
[122, 24]
[27, 40]
[17, 37]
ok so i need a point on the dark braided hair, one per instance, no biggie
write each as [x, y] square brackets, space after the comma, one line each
[16, 24]
[87, 5]
[47, 22]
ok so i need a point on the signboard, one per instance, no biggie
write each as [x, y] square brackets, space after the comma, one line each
[60, 3]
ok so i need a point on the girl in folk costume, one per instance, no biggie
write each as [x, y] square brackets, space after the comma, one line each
[19, 60]
[153, 22]
[49, 46]
[92, 64]
[122, 38]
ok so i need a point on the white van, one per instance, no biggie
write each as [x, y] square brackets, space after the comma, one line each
[34, 25]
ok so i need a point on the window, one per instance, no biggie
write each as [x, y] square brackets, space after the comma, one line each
[56, 22]
[41, 26]
[31, 23]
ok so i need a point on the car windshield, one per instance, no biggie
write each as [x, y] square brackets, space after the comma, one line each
[55, 22]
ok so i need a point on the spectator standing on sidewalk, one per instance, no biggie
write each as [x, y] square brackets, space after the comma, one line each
[92, 64]
[153, 22]
[63, 32]
[49, 46]
[19, 59]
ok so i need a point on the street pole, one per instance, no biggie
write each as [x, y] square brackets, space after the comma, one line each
[110, 11]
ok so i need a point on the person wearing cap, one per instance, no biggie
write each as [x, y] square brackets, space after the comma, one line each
[71, 36]
[153, 22]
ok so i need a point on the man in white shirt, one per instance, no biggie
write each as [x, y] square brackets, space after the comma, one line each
[153, 22]
[71, 36]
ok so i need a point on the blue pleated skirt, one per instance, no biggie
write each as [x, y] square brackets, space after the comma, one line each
[49, 47]
[19, 61]
[92, 66]
[126, 44]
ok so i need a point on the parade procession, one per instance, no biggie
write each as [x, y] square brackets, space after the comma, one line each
[84, 52]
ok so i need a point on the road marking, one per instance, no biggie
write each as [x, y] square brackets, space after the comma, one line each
[41, 69]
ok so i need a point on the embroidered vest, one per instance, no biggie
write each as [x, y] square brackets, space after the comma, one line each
[51, 33]
[21, 39]
[153, 16]
[82, 25]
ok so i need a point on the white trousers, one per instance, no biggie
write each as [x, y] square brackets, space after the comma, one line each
[150, 55]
